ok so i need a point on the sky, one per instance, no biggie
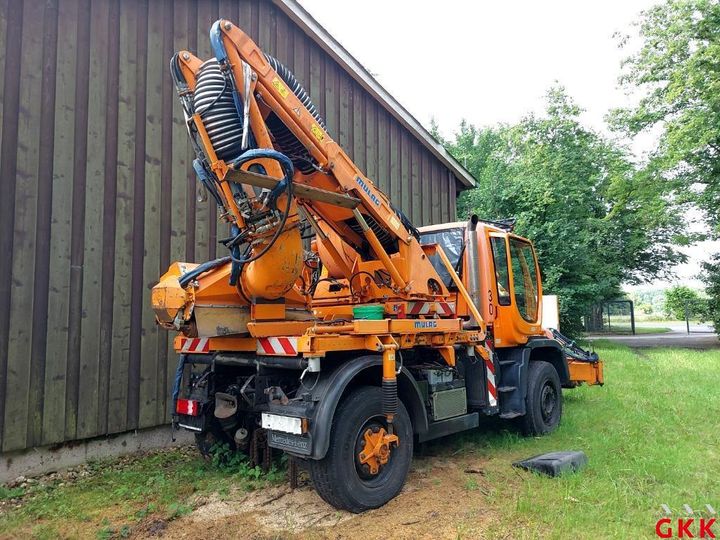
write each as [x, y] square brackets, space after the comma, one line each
[492, 62]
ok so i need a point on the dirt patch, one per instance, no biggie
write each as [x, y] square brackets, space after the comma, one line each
[152, 527]
[443, 498]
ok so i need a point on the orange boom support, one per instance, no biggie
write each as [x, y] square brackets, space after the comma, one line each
[334, 330]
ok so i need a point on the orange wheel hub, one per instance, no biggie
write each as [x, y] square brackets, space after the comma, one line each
[377, 447]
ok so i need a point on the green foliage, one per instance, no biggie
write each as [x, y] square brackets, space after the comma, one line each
[238, 465]
[650, 302]
[679, 298]
[676, 73]
[471, 484]
[119, 494]
[712, 289]
[594, 221]
[634, 465]
[177, 509]
[636, 431]
[11, 493]
[225, 459]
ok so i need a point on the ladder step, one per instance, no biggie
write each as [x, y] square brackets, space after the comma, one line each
[506, 362]
[507, 388]
[509, 415]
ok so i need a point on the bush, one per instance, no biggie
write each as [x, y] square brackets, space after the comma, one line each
[712, 288]
[681, 301]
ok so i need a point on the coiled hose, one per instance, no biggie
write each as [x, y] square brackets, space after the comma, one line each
[297, 89]
[214, 102]
[285, 140]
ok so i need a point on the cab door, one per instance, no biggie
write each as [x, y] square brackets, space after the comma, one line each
[519, 290]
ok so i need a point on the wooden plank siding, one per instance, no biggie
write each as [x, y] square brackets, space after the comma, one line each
[99, 196]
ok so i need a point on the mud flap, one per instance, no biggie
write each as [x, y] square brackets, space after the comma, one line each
[554, 463]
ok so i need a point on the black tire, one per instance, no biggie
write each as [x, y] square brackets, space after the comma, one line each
[543, 403]
[339, 478]
[206, 440]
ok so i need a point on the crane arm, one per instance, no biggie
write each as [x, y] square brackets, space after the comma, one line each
[266, 156]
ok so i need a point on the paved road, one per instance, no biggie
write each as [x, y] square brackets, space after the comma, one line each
[700, 337]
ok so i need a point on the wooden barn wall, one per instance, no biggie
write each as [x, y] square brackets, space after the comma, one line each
[98, 197]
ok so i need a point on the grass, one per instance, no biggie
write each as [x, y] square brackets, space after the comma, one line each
[627, 329]
[651, 330]
[116, 497]
[651, 435]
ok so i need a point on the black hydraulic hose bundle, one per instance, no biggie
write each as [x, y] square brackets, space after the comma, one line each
[187, 277]
[573, 350]
[285, 185]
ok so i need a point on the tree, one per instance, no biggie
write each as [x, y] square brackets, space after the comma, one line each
[677, 75]
[594, 221]
[712, 289]
[682, 301]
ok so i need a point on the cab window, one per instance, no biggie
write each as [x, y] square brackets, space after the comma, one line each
[502, 276]
[524, 279]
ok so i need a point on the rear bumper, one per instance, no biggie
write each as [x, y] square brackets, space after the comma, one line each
[300, 445]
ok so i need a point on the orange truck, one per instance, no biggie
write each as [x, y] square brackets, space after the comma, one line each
[334, 330]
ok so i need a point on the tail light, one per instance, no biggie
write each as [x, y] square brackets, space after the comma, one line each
[189, 407]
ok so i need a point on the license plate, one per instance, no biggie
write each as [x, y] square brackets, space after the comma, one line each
[286, 424]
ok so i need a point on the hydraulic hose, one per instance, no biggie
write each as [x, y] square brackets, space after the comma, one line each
[284, 185]
[187, 277]
[573, 350]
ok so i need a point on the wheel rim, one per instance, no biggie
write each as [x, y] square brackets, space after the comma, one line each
[548, 402]
[375, 423]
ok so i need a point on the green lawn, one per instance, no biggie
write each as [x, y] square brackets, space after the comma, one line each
[651, 330]
[117, 495]
[625, 328]
[651, 435]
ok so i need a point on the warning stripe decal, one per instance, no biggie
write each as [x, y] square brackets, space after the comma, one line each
[196, 345]
[490, 369]
[490, 366]
[423, 308]
[279, 346]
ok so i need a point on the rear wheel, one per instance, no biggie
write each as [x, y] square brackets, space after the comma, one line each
[348, 477]
[208, 442]
[543, 403]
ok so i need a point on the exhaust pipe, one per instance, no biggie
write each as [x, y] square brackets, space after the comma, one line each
[473, 267]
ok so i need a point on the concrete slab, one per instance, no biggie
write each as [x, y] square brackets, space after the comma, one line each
[43, 460]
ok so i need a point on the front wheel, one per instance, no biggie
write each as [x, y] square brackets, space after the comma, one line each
[543, 403]
[365, 467]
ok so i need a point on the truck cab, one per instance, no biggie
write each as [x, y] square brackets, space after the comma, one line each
[500, 269]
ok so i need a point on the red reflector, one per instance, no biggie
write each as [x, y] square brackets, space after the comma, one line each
[189, 407]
